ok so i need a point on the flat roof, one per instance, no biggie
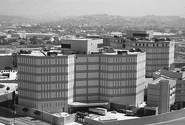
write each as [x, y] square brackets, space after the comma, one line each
[83, 104]
[38, 53]
[5, 54]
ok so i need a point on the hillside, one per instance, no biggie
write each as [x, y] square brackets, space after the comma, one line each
[111, 20]
[14, 19]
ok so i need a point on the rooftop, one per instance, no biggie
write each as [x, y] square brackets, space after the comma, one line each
[82, 104]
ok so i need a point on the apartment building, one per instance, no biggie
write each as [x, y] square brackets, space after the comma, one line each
[160, 96]
[159, 53]
[51, 82]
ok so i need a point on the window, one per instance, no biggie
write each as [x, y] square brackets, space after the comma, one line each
[100, 45]
[140, 34]
[66, 46]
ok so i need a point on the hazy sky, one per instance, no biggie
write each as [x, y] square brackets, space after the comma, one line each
[59, 8]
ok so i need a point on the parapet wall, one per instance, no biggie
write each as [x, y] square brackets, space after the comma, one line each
[142, 121]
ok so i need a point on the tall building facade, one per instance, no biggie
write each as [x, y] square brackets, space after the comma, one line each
[46, 82]
[52, 82]
[158, 53]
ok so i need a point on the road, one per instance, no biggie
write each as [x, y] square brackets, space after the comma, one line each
[180, 121]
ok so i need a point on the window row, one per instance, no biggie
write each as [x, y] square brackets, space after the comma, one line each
[118, 75]
[49, 78]
[118, 67]
[120, 59]
[49, 61]
[118, 91]
[46, 69]
[151, 45]
[46, 86]
[118, 83]
[157, 56]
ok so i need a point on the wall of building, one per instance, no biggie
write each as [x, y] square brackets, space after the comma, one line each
[47, 117]
[161, 94]
[122, 74]
[158, 54]
[130, 34]
[84, 45]
[87, 70]
[6, 61]
[164, 98]
[46, 79]
[171, 74]
[78, 45]
[180, 91]
[94, 45]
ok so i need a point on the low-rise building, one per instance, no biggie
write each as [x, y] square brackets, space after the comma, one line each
[179, 75]
[160, 96]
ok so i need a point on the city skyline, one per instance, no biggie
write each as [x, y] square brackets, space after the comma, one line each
[56, 9]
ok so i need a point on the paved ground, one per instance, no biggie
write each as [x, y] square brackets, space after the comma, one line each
[180, 121]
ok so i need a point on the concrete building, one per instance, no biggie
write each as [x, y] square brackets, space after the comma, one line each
[139, 34]
[6, 61]
[46, 82]
[111, 77]
[179, 75]
[83, 46]
[160, 96]
[53, 83]
[158, 53]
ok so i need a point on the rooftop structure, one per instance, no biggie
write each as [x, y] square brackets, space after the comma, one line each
[139, 34]
[83, 46]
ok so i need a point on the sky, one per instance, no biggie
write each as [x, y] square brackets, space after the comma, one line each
[53, 9]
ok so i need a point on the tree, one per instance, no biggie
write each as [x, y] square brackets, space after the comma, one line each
[7, 88]
[25, 109]
[46, 38]
[36, 112]
[33, 40]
